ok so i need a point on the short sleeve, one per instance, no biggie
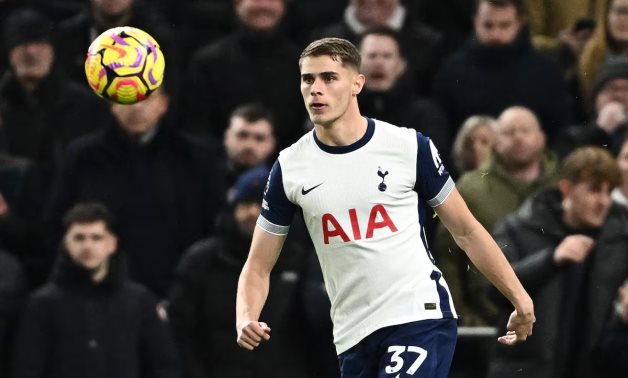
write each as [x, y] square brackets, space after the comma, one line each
[277, 210]
[433, 182]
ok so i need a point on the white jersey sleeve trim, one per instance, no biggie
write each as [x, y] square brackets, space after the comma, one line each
[272, 228]
[443, 194]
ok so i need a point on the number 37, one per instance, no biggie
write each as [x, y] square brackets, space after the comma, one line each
[397, 362]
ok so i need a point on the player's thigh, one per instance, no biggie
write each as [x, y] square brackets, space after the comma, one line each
[420, 349]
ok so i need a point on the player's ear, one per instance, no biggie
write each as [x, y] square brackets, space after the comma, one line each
[358, 84]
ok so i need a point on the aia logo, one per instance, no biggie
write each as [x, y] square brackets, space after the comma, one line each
[378, 218]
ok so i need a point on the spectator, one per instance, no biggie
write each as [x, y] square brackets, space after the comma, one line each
[40, 110]
[473, 143]
[202, 300]
[519, 166]
[89, 319]
[388, 94]
[162, 186]
[40, 113]
[609, 104]
[608, 41]
[253, 64]
[361, 15]
[249, 140]
[12, 291]
[568, 246]
[499, 68]
[77, 33]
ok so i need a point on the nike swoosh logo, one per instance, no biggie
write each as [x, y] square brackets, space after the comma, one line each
[304, 191]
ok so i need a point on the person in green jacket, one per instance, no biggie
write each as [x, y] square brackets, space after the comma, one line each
[519, 165]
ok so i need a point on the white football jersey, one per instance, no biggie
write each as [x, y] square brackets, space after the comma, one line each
[363, 205]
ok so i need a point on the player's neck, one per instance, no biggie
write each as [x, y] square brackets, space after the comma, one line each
[344, 131]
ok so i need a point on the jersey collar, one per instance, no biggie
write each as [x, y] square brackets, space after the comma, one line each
[370, 130]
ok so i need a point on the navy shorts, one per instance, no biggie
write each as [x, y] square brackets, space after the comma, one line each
[419, 349]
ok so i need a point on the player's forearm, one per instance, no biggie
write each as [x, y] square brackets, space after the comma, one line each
[489, 259]
[252, 293]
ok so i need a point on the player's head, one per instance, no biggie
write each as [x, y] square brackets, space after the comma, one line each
[261, 15]
[246, 198]
[520, 141]
[383, 61]
[330, 79]
[27, 39]
[89, 237]
[497, 22]
[249, 138]
[588, 176]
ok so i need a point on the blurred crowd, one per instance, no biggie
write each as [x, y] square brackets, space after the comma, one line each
[123, 228]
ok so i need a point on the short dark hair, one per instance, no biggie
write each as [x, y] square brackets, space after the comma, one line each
[518, 4]
[591, 164]
[383, 31]
[88, 212]
[336, 48]
[253, 112]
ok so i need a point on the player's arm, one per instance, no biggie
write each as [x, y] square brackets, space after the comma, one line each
[253, 287]
[483, 251]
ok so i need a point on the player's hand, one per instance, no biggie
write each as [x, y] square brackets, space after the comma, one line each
[573, 249]
[252, 333]
[519, 328]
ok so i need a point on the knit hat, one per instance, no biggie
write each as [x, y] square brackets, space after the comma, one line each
[26, 25]
[613, 68]
[249, 186]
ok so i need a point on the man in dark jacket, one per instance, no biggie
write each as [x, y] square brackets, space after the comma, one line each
[89, 321]
[256, 63]
[500, 68]
[163, 187]
[202, 301]
[41, 111]
[568, 248]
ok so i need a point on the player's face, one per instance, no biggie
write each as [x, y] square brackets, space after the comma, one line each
[246, 214]
[249, 143]
[31, 61]
[260, 14]
[477, 146]
[586, 204]
[520, 140]
[90, 244]
[138, 118]
[496, 25]
[382, 63]
[618, 20]
[328, 87]
[622, 162]
[374, 12]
